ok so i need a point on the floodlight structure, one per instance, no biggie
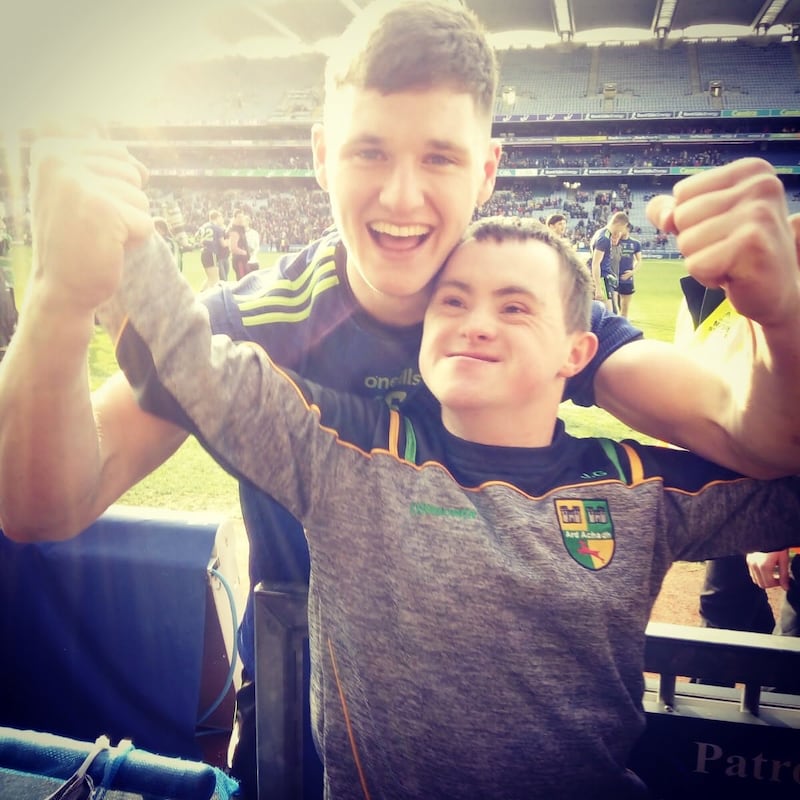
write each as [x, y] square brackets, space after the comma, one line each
[509, 95]
[609, 95]
[715, 89]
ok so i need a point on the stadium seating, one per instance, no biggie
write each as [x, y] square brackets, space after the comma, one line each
[551, 80]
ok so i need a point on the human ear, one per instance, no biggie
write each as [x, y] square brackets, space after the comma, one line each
[318, 151]
[581, 352]
[490, 167]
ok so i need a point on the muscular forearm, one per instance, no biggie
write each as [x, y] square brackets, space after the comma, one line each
[660, 391]
[66, 454]
[48, 441]
[764, 420]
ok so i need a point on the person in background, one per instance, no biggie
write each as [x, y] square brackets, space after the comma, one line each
[253, 244]
[557, 223]
[237, 243]
[630, 259]
[8, 300]
[601, 246]
[781, 568]
[734, 597]
[214, 252]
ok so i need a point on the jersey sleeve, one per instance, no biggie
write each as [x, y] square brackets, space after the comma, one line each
[601, 243]
[613, 332]
[711, 511]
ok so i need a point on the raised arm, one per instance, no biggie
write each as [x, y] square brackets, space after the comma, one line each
[733, 228]
[65, 454]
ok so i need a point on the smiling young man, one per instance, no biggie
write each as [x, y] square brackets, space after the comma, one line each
[451, 545]
[405, 153]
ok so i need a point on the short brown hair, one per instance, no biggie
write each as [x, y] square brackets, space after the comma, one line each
[576, 280]
[421, 44]
[619, 218]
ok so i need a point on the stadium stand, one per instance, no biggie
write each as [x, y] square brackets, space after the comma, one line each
[573, 118]
[752, 77]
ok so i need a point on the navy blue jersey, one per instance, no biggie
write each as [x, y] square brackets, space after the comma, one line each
[302, 311]
[628, 248]
[602, 241]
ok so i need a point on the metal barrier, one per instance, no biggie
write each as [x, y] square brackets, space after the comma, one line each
[734, 735]
[702, 741]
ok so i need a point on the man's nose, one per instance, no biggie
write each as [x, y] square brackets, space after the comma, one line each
[403, 189]
[479, 323]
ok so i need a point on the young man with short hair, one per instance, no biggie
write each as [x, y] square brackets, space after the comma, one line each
[601, 246]
[214, 251]
[557, 223]
[451, 542]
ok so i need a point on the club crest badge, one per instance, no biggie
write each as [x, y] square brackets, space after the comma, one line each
[587, 531]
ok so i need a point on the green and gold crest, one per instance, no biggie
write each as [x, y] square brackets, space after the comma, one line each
[587, 531]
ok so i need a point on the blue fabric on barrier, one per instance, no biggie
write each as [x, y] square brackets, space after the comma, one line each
[104, 633]
[139, 772]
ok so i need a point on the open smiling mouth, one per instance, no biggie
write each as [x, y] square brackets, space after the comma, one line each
[399, 237]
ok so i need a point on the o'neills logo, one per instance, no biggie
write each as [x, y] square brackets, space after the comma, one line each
[430, 510]
[587, 531]
[383, 383]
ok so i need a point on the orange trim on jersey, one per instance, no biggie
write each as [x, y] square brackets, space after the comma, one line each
[394, 433]
[637, 470]
[125, 322]
[346, 713]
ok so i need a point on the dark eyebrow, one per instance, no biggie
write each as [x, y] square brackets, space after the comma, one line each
[505, 291]
[364, 139]
[442, 145]
[451, 283]
[446, 144]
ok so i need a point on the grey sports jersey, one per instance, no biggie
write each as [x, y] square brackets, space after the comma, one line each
[470, 639]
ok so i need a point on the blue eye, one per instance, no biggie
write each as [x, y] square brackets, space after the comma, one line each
[370, 154]
[439, 160]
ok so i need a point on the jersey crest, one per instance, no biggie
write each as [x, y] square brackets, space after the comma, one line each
[587, 531]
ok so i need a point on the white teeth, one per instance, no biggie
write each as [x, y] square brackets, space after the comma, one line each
[400, 230]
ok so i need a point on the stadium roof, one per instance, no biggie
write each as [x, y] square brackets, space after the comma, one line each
[305, 23]
[84, 56]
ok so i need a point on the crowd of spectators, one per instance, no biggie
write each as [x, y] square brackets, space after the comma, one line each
[289, 217]
[604, 156]
[284, 219]
[183, 156]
